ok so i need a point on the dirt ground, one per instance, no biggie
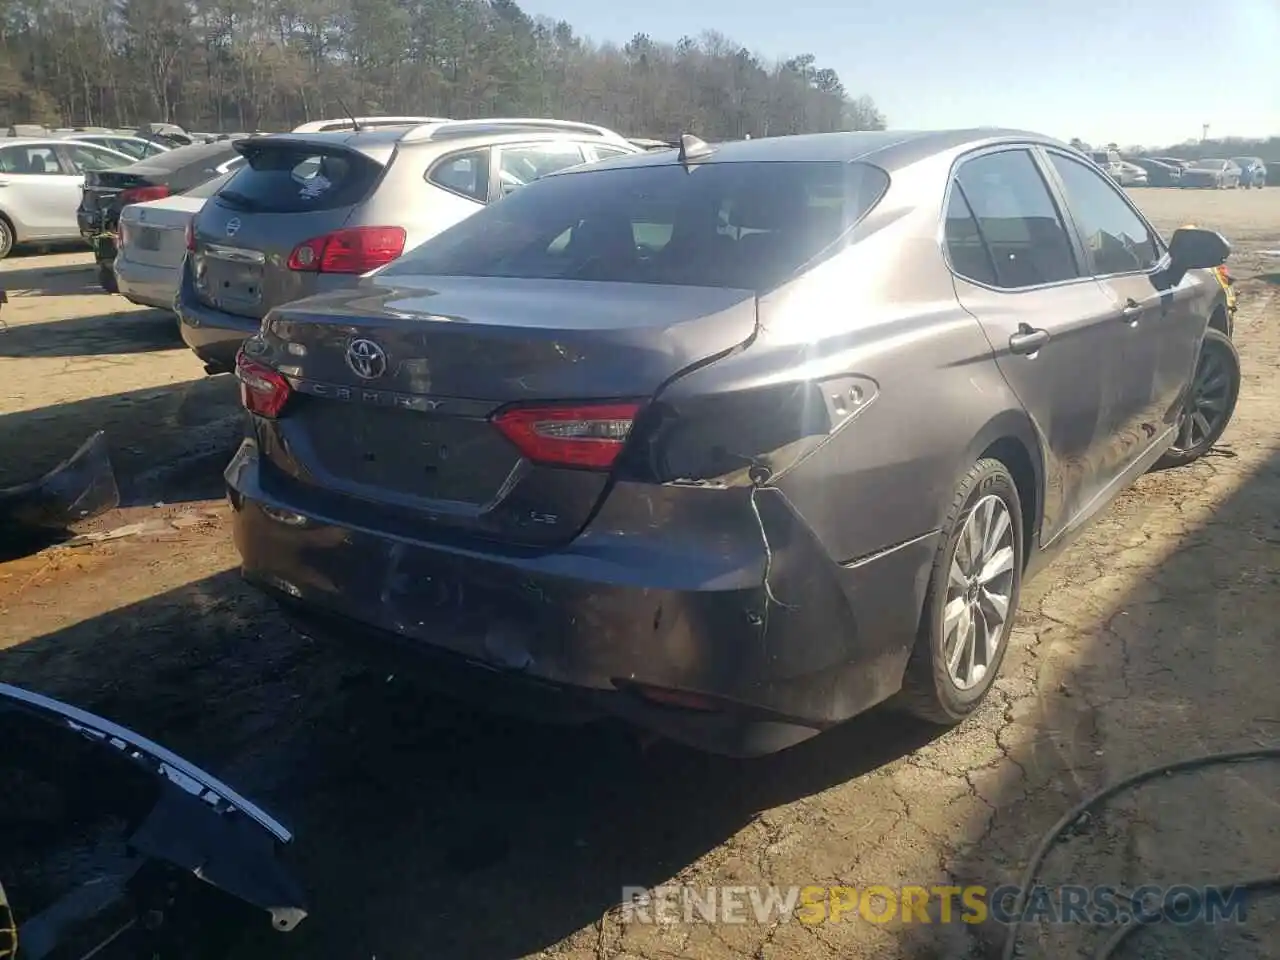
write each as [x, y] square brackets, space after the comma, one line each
[427, 830]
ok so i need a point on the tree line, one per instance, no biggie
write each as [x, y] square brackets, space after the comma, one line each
[261, 65]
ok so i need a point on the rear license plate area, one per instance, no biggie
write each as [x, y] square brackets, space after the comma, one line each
[408, 453]
[229, 282]
[148, 238]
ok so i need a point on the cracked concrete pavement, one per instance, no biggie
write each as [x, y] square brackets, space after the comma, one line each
[430, 830]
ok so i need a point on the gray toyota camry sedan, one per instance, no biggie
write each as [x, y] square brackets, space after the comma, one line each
[732, 441]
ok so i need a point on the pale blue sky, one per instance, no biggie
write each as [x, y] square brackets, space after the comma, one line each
[1133, 71]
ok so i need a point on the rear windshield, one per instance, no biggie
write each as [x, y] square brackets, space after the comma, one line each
[179, 158]
[295, 178]
[737, 225]
[1209, 164]
[207, 189]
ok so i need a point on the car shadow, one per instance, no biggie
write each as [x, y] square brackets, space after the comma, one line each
[149, 431]
[407, 807]
[122, 332]
[64, 279]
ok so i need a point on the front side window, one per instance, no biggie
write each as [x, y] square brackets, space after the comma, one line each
[1116, 237]
[746, 226]
[520, 166]
[1018, 220]
[463, 173]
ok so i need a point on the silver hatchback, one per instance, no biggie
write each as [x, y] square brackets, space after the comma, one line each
[312, 212]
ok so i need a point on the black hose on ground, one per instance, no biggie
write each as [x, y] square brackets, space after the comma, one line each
[1074, 814]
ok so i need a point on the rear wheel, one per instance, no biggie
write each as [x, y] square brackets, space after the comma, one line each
[1211, 401]
[971, 599]
[6, 238]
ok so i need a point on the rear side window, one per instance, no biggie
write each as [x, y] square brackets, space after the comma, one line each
[1018, 220]
[518, 166]
[466, 174]
[968, 254]
[1116, 237]
[299, 179]
[745, 226]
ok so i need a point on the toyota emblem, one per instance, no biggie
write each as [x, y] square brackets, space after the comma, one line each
[233, 226]
[367, 360]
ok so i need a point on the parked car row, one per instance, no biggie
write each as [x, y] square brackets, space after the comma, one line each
[1211, 173]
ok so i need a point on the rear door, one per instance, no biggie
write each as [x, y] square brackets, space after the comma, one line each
[288, 193]
[1051, 326]
[37, 192]
[1160, 329]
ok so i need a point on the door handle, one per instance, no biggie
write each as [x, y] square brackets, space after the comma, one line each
[1027, 340]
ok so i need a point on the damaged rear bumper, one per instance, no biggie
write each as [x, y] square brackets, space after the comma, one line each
[191, 861]
[675, 632]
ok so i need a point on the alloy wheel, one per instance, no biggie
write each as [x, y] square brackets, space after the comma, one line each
[980, 583]
[1207, 400]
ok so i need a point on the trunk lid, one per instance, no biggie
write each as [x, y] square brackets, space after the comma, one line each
[413, 449]
[289, 191]
[155, 234]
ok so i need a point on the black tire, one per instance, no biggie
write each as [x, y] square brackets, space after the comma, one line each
[928, 692]
[1217, 347]
[6, 237]
[107, 278]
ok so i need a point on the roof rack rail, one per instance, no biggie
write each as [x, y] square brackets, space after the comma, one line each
[499, 125]
[366, 123]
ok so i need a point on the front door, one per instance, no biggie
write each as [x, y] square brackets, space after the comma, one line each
[1051, 325]
[1161, 329]
[37, 194]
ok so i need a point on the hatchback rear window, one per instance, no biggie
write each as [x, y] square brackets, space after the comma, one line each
[299, 178]
[739, 225]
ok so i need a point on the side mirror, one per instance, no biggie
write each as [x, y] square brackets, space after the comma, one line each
[1193, 248]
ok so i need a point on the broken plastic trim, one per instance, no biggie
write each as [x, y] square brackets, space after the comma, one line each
[197, 825]
[162, 762]
[82, 486]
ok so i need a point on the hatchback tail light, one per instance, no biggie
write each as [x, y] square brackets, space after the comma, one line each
[142, 194]
[191, 235]
[263, 391]
[352, 250]
[589, 436]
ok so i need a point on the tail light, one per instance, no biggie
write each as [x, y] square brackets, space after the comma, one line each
[589, 436]
[123, 230]
[142, 195]
[353, 250]
[191, 235]
[263, 391]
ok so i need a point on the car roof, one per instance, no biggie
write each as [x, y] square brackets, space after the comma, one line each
[889, 149]
[27, 141]
[379, 143]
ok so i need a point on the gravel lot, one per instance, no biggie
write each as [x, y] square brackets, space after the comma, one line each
[427, 830]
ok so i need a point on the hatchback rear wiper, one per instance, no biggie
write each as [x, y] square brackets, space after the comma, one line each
[238, 199]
